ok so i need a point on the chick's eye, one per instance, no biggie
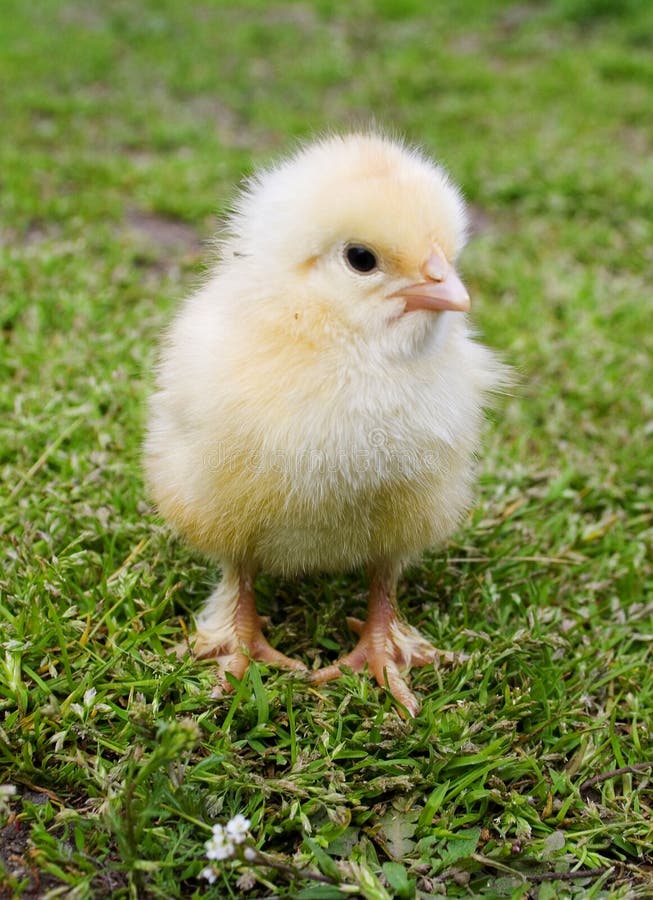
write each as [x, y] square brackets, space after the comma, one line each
[361, 259]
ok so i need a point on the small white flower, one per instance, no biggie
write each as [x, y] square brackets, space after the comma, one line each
[219, 846]
[219, 851]
[237, 828]
[224, 839]
[209, 873]
[250, 854]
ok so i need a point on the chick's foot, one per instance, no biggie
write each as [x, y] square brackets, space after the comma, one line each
[387, 646]
[229, 631]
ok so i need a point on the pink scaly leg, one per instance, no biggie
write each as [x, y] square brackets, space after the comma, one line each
[229, 629]
[386, 644]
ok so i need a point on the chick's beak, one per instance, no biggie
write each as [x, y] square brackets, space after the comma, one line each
[442, 288]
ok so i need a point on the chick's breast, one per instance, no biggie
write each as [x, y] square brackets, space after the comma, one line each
[295, 451]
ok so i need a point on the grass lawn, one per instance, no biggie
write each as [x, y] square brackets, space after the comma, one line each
[528, 773]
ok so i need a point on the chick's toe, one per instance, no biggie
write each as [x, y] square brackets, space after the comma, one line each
[229, 631]
[387, 645]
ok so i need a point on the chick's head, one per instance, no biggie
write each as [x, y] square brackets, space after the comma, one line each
[358, 229]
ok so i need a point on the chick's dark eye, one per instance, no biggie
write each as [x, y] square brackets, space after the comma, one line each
[361, 259]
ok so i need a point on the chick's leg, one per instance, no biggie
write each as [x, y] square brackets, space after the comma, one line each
[387, 645]
[229, 629]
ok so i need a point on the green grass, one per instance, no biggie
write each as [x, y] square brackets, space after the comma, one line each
[124, 128]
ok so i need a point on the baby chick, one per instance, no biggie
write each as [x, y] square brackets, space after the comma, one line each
[319, 399]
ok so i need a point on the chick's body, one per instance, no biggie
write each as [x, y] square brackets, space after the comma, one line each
[310, 415]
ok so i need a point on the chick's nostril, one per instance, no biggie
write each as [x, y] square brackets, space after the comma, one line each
[436, 267]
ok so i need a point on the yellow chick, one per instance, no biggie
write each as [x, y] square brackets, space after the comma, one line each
[319, 399]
